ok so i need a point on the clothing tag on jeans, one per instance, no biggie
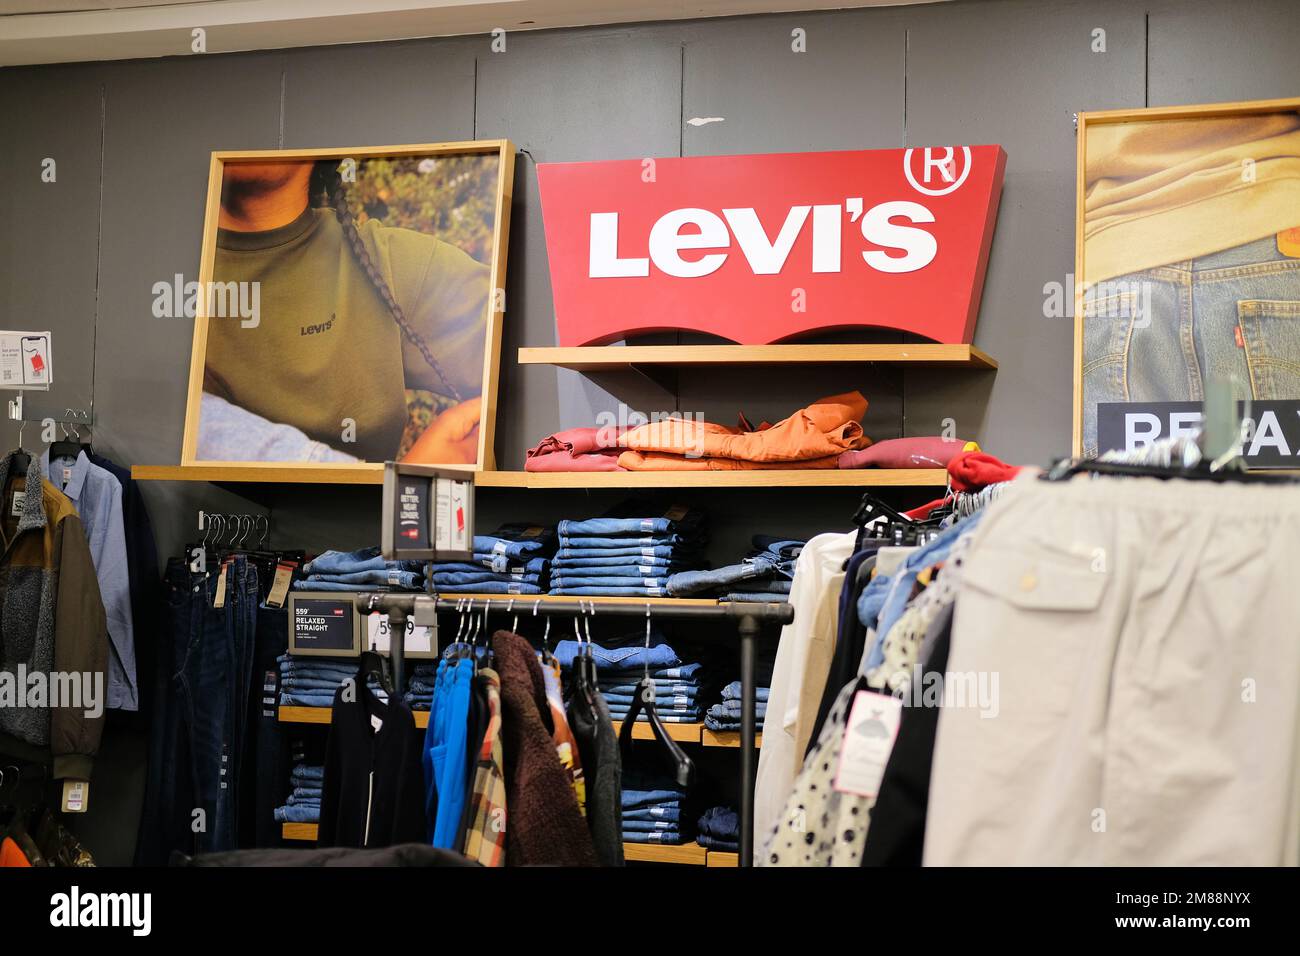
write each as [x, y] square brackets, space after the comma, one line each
[220, 600]
[280, 585]
[76, 796]
[868, 740]
[1288, 242]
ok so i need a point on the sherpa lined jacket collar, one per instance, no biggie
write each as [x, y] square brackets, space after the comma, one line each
[33, 499]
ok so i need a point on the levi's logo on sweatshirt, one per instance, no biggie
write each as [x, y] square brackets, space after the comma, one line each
[318, 328]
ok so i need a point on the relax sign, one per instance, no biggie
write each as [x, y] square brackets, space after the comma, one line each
[758, 249]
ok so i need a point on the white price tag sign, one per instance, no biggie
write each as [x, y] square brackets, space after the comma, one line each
[417, 638]
[868, 741]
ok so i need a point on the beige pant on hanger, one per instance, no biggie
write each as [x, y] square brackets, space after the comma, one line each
[1145, 639]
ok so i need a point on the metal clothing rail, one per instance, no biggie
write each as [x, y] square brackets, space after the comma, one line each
[748, 617]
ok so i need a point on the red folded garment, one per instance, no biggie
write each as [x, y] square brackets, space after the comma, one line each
[606, 460]
[578, 441]
[928, 451]
[973, 470]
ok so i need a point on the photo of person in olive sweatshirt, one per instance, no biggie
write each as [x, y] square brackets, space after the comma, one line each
[1191, 250]
[369, 339]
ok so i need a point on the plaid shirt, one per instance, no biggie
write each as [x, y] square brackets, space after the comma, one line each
[485, 837]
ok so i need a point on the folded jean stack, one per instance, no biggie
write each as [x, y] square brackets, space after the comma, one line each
[678, 689]
[765, 575]
[719, 829]
[363, 570]
[726, 714]
[625, 553]
[419, 693]
[303, 803]
[652, 809]
[312, 681]
[514, 559]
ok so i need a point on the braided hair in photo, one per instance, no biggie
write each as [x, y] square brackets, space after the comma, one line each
[327, 184]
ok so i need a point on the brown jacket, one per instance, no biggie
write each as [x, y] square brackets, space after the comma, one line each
[52, 622]
[545, 825]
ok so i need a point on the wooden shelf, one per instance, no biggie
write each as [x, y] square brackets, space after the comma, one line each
[727, 738]
[300, 831]
[611, 357]
[321, 715]
[374, 475]
[690, 854]
[683, 733]
[723, 858]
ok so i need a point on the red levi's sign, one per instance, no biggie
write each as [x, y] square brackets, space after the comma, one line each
[759, 249]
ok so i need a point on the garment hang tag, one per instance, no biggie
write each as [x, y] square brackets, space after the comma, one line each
[375, 723]
[76, 796]
[280, 584]
[16, 504]
[220, 600]
[868, 740]
[67, 476]
[1288, 242]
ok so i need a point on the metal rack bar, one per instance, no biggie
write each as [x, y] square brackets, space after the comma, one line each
[748, 618]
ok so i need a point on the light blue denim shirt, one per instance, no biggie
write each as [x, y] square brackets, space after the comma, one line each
[97, 496]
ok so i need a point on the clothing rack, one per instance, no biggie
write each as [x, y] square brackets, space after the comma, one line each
[748, 618]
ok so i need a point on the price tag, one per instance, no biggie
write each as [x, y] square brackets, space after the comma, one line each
[868, 741]
[220, 600]
[280, 584]
[76, 796]
[419, 640]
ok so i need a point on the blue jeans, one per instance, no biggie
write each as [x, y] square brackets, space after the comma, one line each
[783, 547]
[665, 688]
[662, 701]
[772, 585]
[306, 584]
[757, 597]
[649, 826]
[302, 684]
[598, 541]
[518, 542]
[485, 562]
[717, 843]
[721, 823]
[492, 587]
[733, 692]
[306, 699]
[660, 564]
[295, 814]
[214, 672]
[689, 519]
[629, 569]
[1199, 309]
[652, 813]
[635, 581]
[641, 799]
[588, 591]
[692, 582]
[666, 716]
[394, 579]
[350, 562]
[652, 551]
[729, 710]
[671, 837]
[633, 656]
[453, 578]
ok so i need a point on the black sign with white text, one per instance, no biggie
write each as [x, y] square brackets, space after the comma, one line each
[323, 626]
[1270, 430]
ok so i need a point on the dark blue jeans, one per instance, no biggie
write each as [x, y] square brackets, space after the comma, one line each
[214, 669]
[263, 785]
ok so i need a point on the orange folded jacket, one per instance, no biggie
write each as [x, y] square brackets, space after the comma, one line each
[825, 428]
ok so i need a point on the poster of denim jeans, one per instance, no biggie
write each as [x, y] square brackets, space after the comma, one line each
[1189, 261]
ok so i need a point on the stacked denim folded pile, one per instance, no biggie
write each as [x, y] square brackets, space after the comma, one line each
[719, 829]
[625, 553]
[764, 575]
[419, 693]
[303, 803]
[363, 570]
[514, 559]
[678, 687]
[312, 681]
[652, 809]
[726, 714]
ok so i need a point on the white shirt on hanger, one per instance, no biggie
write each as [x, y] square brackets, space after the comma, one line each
[799, 674]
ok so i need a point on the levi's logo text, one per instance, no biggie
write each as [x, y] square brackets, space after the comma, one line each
[759, 249]
[318, 328]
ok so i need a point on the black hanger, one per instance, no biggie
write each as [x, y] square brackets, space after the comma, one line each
[66, 447]
[584, 665]
[372, 664]
[1067, 468]
[682, 767]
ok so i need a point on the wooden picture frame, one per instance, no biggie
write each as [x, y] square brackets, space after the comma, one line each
[368, 468]
[1089, 121]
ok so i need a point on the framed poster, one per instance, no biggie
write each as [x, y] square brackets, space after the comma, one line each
[1187, 260]
[349, 306]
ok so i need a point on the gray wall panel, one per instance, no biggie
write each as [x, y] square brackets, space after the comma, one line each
[1033, 69]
